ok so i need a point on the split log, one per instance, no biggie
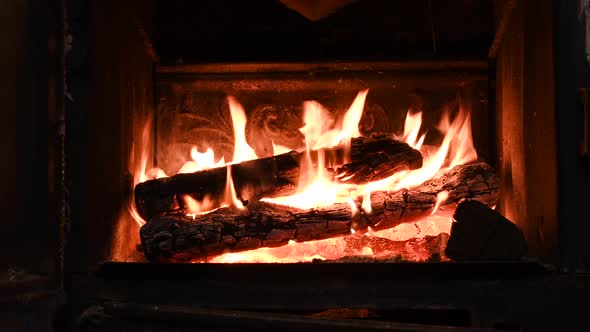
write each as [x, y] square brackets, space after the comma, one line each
[261, 224]
[371, 158]
[481, 233]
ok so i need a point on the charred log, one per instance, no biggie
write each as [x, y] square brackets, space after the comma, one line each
[474, 181]
[481, 233]
[261, 224]
[371, 158]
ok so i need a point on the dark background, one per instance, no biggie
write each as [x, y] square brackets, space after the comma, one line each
[267, 30]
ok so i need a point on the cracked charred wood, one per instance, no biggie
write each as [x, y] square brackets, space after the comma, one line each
[474, 181]
[371, 158]
[261, 224]
[481, 233]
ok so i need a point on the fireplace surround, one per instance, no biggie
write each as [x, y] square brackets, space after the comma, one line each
[509, 63]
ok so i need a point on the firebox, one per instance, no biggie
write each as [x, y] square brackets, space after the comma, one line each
[333, 164]
[314, 159]
[280, 157]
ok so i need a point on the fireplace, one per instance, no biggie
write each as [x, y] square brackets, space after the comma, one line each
[298, 130]
[345, 142]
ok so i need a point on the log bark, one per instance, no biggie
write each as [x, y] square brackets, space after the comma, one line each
[371, 158]
[261, 224]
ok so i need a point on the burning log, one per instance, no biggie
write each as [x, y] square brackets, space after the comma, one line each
[262, 224]
[371, 158]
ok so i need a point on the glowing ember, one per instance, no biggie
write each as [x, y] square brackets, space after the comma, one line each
[335, 248]
[318, 188]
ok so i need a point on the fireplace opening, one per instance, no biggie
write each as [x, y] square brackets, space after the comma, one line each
[322, 153]
[359, 161]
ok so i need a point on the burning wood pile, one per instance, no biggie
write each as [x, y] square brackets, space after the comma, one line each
[340, 195]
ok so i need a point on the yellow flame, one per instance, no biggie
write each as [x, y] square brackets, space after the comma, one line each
[230, 192]
[242, 151]
[457, 146]
[412, 129]
[319, 130]
[317, 123]
[316, 188]
[366, 205]
[350, 124]
[139, 164]
[201, 161]
[441, 197]
[463, 149]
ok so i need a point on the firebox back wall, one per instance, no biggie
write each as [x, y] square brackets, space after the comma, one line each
[192, 107]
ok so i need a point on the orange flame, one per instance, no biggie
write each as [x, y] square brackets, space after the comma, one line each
[316, 188]
[242, 151]
[318, 130]
[138, 166]
[195, 207]
[230, 191]
[411, 130]
[457, 146]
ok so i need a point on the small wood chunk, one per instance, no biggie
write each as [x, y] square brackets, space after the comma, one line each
[482, 234]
